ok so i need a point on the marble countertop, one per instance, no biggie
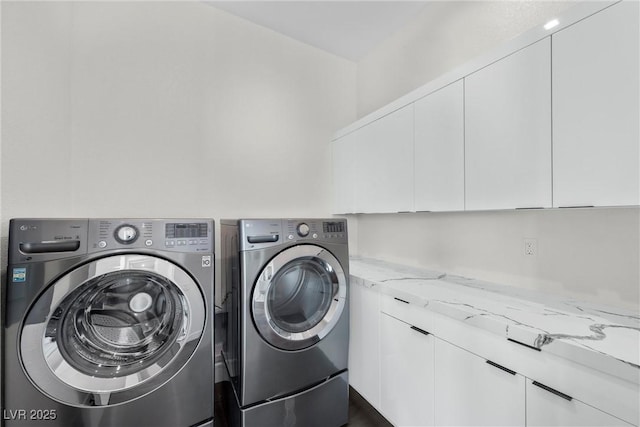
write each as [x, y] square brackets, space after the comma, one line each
[600, 337]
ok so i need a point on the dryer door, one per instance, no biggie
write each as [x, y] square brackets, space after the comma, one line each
[112, 330]
[299, 297]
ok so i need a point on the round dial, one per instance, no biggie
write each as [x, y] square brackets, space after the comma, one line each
[126, 234]
[303, 229]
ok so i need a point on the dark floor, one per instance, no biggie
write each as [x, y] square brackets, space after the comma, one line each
[361, 414]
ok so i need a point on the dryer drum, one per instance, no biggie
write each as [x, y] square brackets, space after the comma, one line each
[301, 294]
[299, 297]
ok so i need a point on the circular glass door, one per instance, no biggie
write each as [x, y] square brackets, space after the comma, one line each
[299, 297]
[112, 330]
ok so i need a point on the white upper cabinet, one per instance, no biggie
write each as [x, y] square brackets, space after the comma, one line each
[344, 173]
[385, 164]
[595, 110]
[439, 150]
[537, 128]
[508, 131]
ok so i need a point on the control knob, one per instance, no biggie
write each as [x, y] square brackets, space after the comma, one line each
[303, 229]
[126, 234]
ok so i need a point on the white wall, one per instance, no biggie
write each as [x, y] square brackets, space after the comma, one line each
[2, 243]
[36, 63]
[35, 142]
[212, 115]
[164, 109]
[590, 254]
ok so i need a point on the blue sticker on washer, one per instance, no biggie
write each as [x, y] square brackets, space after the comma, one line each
[19, 275]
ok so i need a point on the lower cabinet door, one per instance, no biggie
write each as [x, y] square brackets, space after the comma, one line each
[406, 373]
[550, 407]
[363, 343]
[471, 391]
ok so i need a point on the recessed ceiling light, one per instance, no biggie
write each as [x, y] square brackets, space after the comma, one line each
[549, 25]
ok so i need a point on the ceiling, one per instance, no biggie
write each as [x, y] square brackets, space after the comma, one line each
[349, 29]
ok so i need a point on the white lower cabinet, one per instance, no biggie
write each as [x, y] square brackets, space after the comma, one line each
[363, 343]
[471, 391]
[406, 373]
[549, 407]
[416, 378]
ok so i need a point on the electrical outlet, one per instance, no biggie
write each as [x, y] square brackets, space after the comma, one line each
[531, 247]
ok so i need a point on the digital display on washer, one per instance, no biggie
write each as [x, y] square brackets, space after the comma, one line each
[333, 227]
[179, 230]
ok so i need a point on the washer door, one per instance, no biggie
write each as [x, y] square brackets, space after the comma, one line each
[299, 297]
[112, 330]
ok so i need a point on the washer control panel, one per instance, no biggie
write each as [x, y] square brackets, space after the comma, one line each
[179, 235]
[186, 234]
[39, 239]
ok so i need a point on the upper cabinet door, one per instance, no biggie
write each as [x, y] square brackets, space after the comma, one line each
[439, 150]
[508, 131]
[344, 173]
[595, 110]
[385, 164]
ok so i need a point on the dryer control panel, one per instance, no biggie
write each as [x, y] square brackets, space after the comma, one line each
[175, 235]
[261, 233]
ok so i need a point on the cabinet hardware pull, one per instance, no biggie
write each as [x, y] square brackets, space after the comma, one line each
[532, 207]
[576, 207]
[404, 212]
[401, 300]
[554, 391]
[494, 364]
[523, 344]
[422, 331]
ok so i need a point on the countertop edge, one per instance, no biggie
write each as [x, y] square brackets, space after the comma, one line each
[574, 352]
